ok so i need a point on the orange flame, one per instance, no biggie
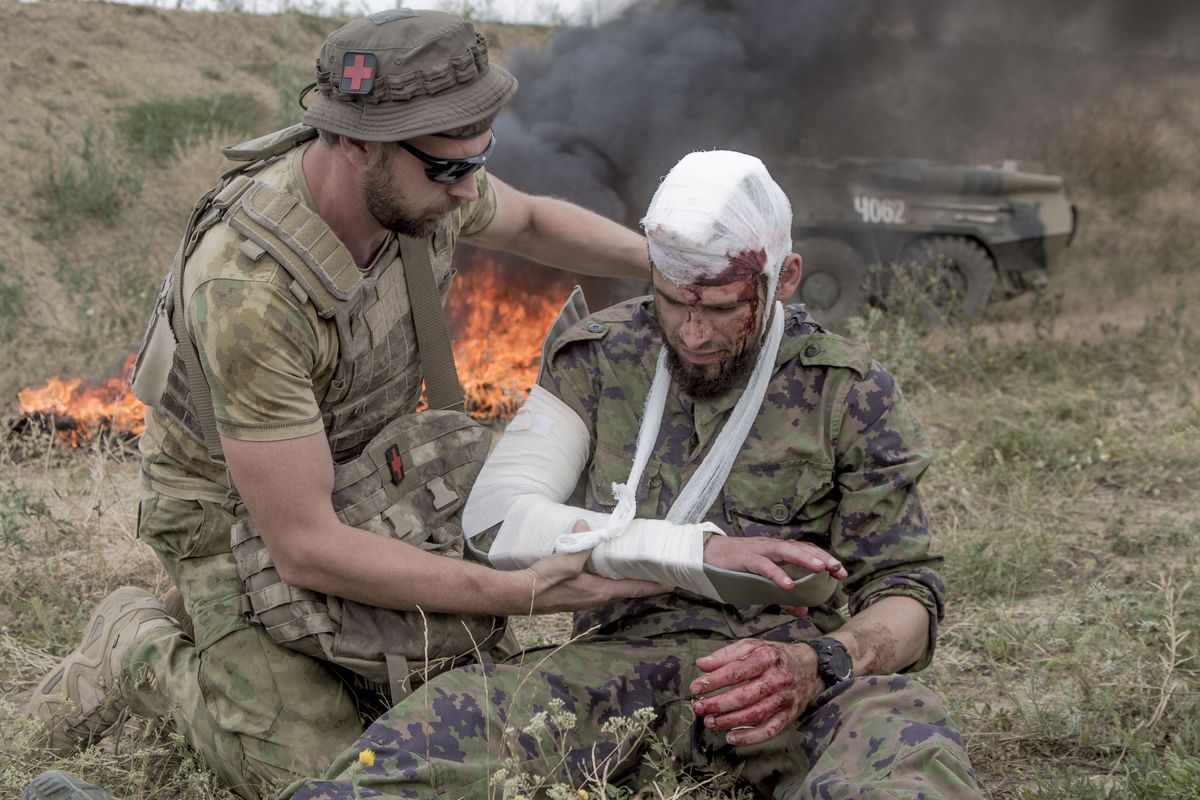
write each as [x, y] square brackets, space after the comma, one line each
[109, 405]
[498, 331]
[497, 347]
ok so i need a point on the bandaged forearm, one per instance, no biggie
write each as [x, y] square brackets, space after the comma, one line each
[648, 549]
[529, 474]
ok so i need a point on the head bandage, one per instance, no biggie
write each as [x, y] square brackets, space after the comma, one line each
[718, 218]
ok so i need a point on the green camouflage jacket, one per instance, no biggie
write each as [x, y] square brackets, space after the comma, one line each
[833, 458]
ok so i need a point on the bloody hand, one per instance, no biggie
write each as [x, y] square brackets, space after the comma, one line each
[777, 682]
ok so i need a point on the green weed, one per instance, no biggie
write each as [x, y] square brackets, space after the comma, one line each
[12, 295]
[893, 339]
[323, 18]
[141, 755]
[548, 775]
[157, 127]
[90, 183]
[112, 291]
[288, 80]
[22, 516]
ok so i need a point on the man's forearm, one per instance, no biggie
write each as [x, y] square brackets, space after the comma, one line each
[887, 636]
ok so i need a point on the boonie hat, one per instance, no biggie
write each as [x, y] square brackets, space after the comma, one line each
[401, 73]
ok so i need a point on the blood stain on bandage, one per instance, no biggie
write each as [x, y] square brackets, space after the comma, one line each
[743, 265]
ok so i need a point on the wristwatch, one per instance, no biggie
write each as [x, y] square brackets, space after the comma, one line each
[833, 660]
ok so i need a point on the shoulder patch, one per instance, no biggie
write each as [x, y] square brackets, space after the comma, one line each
[593, 327]
[831, 350]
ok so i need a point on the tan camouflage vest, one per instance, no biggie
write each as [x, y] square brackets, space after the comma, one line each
[398, 474]
[378, 375]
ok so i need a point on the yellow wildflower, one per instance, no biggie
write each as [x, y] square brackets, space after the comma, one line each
[581, 795]
[367, 757]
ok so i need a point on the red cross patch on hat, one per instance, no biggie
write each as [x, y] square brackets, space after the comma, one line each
[358, 73]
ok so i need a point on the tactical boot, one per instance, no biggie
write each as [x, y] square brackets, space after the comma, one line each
[80, 701]
[55, 785]
[176, 610]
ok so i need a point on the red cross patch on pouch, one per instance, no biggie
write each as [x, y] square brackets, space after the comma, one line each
[358, 73]
[395, 463]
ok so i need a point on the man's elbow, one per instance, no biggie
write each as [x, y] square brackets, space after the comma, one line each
[298, 558]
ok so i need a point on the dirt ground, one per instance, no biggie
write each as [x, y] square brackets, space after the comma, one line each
[71, 68]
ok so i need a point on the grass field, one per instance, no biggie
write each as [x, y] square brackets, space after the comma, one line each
[1065, 495]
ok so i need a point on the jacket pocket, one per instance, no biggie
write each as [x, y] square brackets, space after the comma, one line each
[788, 500]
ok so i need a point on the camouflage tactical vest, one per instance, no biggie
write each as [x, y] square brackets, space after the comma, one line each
[378, 375]
[397, 474]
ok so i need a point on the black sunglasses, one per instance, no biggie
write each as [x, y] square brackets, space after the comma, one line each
[450, 170]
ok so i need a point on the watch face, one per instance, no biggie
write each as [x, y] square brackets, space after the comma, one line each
[839, 664]
[833, 662]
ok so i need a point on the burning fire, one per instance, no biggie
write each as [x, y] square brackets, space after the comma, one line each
[497, 330]
[81, 411]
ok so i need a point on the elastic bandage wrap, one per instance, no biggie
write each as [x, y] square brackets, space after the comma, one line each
[531, 472]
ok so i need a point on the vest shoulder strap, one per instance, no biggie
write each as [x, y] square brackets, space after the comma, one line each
[300, 241]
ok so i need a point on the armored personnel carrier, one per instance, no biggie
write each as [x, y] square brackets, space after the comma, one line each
[957, 232]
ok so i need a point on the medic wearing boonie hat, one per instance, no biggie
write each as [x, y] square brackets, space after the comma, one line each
[401, 73]
[312, 277]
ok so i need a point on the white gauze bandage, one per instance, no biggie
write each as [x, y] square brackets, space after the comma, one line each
[719, 217]
[533, 469]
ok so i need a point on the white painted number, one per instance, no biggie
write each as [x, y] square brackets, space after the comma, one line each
[879, 210]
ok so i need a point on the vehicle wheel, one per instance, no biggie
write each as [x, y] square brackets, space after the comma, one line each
[833, 283]
[954, 274]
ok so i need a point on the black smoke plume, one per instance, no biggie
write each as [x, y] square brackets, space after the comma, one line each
[605, 111]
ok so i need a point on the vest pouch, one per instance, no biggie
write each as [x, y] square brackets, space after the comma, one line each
[154, 358]
[409, 483]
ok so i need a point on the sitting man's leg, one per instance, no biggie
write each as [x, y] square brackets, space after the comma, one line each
[878, 736]
[453, 736]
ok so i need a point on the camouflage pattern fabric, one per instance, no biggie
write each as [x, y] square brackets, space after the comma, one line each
[878, 737]
[256, 713]
[259, 714]
[268, 354]
[833, 458]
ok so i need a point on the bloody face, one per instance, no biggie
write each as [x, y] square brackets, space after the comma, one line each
[711, 332]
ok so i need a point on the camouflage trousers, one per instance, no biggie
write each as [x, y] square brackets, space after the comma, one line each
[257, 714]
[467, 732]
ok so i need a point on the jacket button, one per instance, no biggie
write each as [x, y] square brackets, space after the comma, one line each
[595, 327]
[780, 512]
[812, 351]
[655, 481]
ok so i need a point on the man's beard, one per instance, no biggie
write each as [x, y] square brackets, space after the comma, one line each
[692, 378]
[387, 204]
